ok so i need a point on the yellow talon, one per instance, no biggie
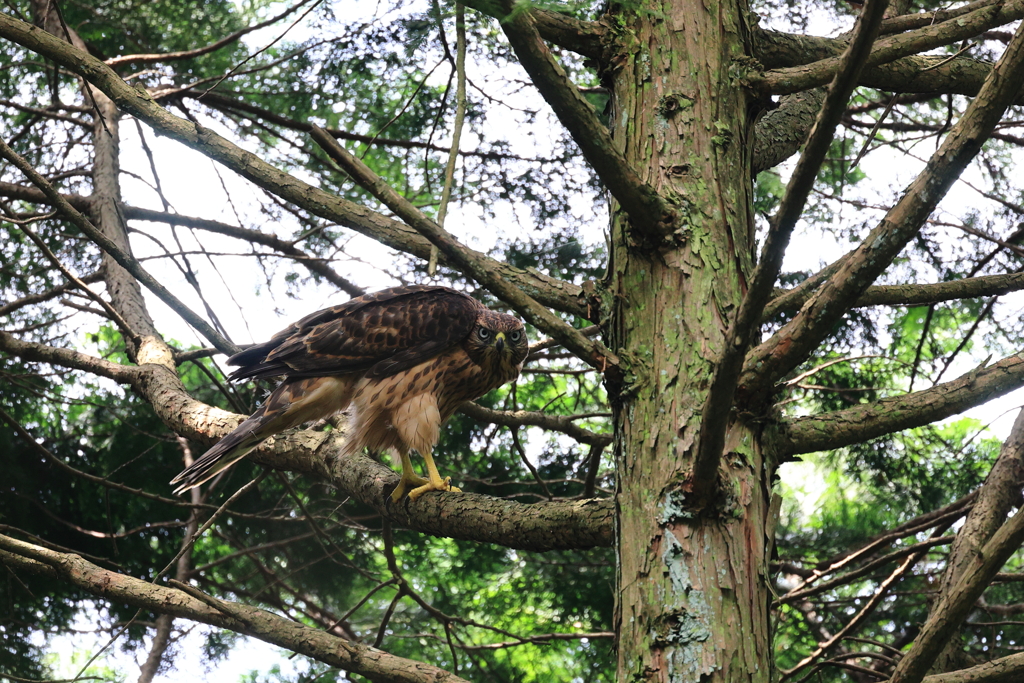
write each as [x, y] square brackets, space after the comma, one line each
[408, 481]
[439, 485]
[409, 478]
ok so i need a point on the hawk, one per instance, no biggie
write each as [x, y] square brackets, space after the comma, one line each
[404, 358]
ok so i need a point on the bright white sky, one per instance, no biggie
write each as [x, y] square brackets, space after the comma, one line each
[194, 187]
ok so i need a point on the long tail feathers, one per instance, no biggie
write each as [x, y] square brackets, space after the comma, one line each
[224, 454]
[291, 404]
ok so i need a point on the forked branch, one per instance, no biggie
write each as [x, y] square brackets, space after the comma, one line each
[717, 411]
[797, 78]
[776, 357]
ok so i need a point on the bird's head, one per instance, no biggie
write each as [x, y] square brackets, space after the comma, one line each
[498, 337]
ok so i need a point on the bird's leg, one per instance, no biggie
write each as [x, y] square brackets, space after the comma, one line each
[436, 483]
[410, 480]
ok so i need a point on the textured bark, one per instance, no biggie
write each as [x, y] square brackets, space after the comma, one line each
[372, 663]
[781, 133]
[692, 602]
[1005, 670]
[539, 526]
[853, 425]
[996, 498]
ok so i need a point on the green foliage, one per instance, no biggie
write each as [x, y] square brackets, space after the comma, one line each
[297, 548]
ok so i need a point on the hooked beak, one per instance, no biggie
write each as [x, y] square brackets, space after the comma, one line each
[499, 341]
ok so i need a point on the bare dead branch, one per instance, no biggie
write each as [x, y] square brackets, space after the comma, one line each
[558, 294]
[311, 263]
[39, 298]
[206, 49]
[866, 568]
[525, 418]
[869, 607]
[127, 261]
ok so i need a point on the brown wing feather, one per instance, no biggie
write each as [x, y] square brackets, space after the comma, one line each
[379, 334]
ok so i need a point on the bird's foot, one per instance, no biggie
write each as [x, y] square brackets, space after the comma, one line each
[439, 485]
[408, 481]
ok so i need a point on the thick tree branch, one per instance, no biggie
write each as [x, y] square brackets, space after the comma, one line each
[717, 411]
[649, 212]
[789, 346]
[550, 291]
[560, 525]
[954, 604]
[853, 425]
[1004, 670]
[913, 294]
[480, 269]
[795, 79]
[372, 663]
[775, 49]
[537, 527]
[997, 497]
[588, 38]
[780, 133]
[1000, 493]
[925, 74]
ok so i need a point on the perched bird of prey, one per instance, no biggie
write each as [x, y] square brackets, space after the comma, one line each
[404, 358]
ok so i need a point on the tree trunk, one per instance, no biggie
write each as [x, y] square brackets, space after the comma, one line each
[693, 600]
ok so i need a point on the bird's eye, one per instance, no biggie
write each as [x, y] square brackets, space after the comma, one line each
[484, 333]
[515, 335]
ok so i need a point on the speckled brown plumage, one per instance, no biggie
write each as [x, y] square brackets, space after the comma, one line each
[403, 358]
